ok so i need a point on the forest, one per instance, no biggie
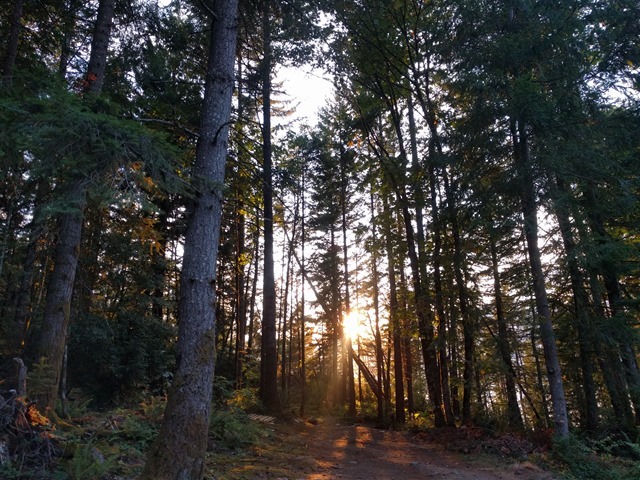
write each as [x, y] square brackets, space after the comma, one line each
[453, 241]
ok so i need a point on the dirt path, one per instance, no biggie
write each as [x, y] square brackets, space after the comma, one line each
[361, 452]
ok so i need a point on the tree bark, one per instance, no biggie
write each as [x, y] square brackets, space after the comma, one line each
[376, 309]
[394, 316]
[269, 351]
[583, 323]
[11, 52]
[437, 281]
[344, 184]
[57, 307]
[610, 274]
[468, 327]
[94, 79]
[513, 409]
[59, 293]
[547, 335]
[303, 336]
[178, 453]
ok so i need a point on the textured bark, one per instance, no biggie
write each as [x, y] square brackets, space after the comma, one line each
[57, 307]
[178, 453]
[59, 293]
[94, 79]
[547, 335]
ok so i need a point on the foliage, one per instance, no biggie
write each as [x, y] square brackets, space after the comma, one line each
[581, 461]
[114, 359]
[153, 408]
[39, 377]
[233, 429]
[78, 403]
[137, 431]
[88, 463]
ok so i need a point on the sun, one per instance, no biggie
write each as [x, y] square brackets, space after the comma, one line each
[353, 325]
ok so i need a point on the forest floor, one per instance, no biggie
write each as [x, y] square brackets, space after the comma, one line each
[331, 450]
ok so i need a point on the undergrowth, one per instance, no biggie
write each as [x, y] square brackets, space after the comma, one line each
[610, 457]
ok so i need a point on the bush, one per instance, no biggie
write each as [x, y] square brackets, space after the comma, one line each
[89, 463]
[115, 359]
[232, 429]
[581, 462]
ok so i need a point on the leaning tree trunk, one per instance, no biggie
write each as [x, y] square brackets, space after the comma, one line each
[178, 453]
[547, 335]
[58, 302]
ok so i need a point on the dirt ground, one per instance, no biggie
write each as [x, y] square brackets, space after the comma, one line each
[362, 452]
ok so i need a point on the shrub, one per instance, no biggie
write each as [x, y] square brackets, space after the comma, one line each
[581, 462]
[88, 463]
[232, 429]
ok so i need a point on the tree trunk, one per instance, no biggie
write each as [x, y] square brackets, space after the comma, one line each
[60, 289]
[344, 184]
[12, 44]
[610, 364]
[513, 409]
[57, 307]
[583, 323]
[422, 297]
[303, 336]
[376, 309]
[23, 300]
[609, 273]
[68, 30]
[437, 280]
[547, 335]
[269, 351]
[178, 453]
[394, 316]
[94, 79]
[254, 282]
[467, 320]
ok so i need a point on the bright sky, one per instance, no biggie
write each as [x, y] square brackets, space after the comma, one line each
[310, 89]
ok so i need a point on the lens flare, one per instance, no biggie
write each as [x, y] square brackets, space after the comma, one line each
[353, 324]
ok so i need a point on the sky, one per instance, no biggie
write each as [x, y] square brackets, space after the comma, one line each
[310, 89]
